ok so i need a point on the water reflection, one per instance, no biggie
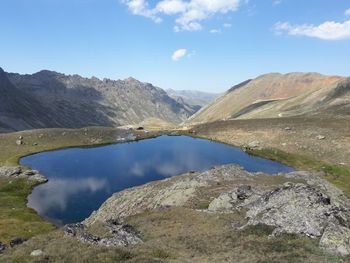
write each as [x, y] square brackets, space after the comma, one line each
[80, 180]
[57, 194]
[179, 162]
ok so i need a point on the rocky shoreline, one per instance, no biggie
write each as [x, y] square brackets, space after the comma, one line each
[300, 203]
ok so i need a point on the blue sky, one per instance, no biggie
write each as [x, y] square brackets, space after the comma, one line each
[219, 43]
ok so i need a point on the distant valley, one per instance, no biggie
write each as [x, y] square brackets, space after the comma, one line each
[193, 98]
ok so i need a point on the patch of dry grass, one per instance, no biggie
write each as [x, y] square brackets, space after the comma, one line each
[180, 235]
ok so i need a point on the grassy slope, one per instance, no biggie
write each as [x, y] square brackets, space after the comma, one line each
[339, 176]
[16, 219]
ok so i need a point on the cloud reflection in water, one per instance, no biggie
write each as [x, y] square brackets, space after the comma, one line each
[57, 192]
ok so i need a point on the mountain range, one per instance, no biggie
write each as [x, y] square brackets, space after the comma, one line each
[49, 99]
[277, 95]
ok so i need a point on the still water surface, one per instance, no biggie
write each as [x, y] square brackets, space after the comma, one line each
[81, 179]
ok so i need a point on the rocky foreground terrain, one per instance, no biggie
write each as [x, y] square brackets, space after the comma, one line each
[225, 204]
[49, 99]
[301, 203]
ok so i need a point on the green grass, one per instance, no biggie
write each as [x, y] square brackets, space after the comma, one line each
[339, 176]
[16, 219]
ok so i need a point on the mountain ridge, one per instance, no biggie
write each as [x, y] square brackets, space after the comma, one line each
[276, 95]
[73, 101]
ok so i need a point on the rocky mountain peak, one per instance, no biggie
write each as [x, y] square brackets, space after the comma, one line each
[47, 73]
[74, 101]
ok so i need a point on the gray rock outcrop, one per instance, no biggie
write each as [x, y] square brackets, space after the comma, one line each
[296, 209]
[299, 203]
[119, 234]
[18, 172]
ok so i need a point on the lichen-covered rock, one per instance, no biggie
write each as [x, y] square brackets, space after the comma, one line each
[293, 208]
[171, 192]
[225, 202]
[234, 199]
[151, 196]
[336, 239]
[17, 172]
[120, 234]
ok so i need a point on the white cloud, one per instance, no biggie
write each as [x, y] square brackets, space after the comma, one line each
[170, 7]
[141, 8]
[347, 12]
[179, 54]
[215, 31]
[277, 2]
[188, 14]
[227, 25]
[329, 30]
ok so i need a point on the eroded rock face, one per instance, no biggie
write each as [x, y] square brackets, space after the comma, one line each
[17, 172]
[297, 203]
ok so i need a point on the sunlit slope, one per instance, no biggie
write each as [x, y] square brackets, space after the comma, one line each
[277, 95]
